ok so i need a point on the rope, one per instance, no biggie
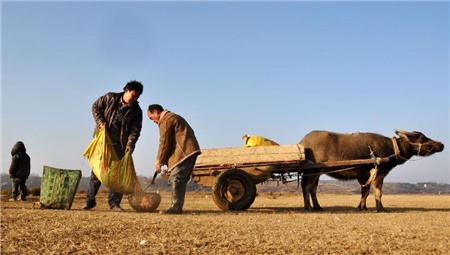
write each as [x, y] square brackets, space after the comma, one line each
[372, 154]
[395, 144]
[336, 171]
[373, 175]
[426, 155]
[285, 182]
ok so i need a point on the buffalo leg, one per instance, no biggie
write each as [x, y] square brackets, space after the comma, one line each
[316, 205]
[365, 190]
[307, 186]
[377, 187]
[305, 189]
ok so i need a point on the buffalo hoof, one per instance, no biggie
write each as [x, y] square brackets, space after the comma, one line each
[362, 209]
[308, 209]
[318, 209]
[382, 210]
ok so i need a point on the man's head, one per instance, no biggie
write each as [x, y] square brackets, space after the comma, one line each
[132, 90]
[154, 112]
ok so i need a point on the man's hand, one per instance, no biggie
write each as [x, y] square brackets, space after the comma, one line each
[157, 168]
[102, 125]
[129, 149]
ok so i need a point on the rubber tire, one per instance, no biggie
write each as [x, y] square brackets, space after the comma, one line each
[245, 179]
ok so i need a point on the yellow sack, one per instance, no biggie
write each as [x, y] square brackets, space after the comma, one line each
[253, 141]
[118, 175]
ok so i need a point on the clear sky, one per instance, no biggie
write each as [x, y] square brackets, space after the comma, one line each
[273, 69]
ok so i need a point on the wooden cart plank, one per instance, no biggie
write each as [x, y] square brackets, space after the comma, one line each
[293, 166]
[249, 155]
[296, 162]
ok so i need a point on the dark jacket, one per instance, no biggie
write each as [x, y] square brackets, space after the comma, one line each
[20, 163]
[177, 140]
[104, 109]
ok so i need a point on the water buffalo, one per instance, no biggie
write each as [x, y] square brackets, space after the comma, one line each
[325, 146]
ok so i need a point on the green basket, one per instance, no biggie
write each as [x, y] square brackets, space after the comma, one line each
[58, 187]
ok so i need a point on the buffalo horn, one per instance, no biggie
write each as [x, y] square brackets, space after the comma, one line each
[413, 134]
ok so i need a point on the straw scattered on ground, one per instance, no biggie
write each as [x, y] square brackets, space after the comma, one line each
[275, 224]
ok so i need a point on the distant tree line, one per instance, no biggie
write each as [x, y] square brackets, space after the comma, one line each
[325, 186]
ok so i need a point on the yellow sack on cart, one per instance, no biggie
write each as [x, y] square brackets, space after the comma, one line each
[253, 141]
[116, 174]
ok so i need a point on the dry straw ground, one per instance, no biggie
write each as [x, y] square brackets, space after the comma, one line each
[275, 224]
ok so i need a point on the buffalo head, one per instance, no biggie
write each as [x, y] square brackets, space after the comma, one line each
[423, 146]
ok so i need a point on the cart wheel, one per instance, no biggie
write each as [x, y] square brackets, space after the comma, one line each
[234, 189]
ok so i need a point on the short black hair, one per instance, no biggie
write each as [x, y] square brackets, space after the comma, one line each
[157, 107]
[134, 85]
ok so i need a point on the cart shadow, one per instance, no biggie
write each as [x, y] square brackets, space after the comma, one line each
[327, 210]
[252, 210]
[346, 209]
[275, 210]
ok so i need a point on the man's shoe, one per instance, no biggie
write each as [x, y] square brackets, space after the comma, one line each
[13, 199]
[117, 208]
[23, 199]
[86, 207]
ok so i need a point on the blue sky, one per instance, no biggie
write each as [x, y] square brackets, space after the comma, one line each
[274, 69]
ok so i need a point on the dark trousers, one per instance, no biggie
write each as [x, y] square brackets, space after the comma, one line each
[114, 198]
[179, 176]
[16, 184]
[182, 172]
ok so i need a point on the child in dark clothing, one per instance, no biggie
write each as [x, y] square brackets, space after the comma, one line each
[19, 171]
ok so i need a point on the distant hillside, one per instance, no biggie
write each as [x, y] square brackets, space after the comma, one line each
[353, 187]
[325, 186]
[160, 184]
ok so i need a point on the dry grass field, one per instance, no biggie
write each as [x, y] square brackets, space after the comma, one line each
[275, 224]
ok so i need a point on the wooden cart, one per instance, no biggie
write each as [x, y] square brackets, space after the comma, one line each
[234, 172]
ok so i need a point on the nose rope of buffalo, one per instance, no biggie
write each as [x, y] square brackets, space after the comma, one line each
[420, 146]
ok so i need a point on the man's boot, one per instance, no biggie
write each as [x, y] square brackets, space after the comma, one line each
[178, 193]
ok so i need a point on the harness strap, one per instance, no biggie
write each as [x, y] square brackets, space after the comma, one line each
[376, 160]
[373, 175]
[395, 144]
